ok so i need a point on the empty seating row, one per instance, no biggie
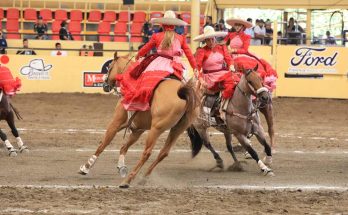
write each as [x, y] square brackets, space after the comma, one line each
[93, 15]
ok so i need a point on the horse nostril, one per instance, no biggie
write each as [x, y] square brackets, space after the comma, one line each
[106, 87]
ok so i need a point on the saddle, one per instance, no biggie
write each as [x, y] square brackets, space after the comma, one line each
[210, 113]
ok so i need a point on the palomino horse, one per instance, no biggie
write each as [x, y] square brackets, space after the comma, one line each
[174, 106]
[242, 119]
[6, 113]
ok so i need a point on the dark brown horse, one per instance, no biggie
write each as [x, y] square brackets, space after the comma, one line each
[7, 112]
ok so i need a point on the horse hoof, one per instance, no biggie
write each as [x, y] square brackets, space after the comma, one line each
[142, 181]
[123, 170]
[268, 172]
[12, 154]
[247, 155]
[124, 186]
[236, 167]
[24, 149]
[83, 170]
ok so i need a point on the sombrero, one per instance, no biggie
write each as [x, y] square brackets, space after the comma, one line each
[209, 32]
[246, 24]
[169, 18]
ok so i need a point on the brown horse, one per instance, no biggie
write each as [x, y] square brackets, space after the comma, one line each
[174, 106]
[242, 119]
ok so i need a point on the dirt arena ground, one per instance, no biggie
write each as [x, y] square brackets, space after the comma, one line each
[63, 130]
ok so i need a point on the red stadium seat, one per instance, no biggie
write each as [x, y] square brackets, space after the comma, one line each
[139, 16]
[46, 14]
[12, 26]
[136, 28]
[75, 29]
[123, 16]
[1, 13]
[12, 13]
[60, 15]
[120, 32]
[94, 16]
[156, 15]
[76, 15]
[109, 16]
[136, 39]
[186, 17]
[30, 14]
[55, 29]
[104, 28]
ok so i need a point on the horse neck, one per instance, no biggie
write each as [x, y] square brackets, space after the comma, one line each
[241, 103]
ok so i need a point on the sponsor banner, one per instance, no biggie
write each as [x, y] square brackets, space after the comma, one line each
[36, 70]
[93, 79]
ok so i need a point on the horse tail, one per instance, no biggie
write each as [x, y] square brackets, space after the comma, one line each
[19, 117]
[196, 140]
[187, 92]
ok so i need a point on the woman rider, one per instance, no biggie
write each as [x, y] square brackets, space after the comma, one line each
[238, 44]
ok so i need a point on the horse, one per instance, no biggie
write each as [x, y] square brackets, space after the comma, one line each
[7, 111]
[174, 106]
[242, 119]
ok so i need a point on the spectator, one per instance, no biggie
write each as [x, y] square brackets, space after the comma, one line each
[208, 21]
[294, 26]
[280, 38]
[3, 43]
[260, 32]
[147, 32]
[329, 39]
[293, 32]
[26, 50]
[63, 32]
[179, 29]
[269, 33]
[58, 51]
[41, 29]
[90, 51]
[83, 51]
[250, 31]
[222, 25]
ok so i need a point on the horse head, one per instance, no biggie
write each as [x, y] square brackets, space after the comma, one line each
[117, 66]
[255, 85]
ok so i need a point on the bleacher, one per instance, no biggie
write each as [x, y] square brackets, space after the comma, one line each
[88, 19]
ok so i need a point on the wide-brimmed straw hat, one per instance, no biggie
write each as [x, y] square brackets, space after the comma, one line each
[246, 24]
[209, 32]
[169, 18]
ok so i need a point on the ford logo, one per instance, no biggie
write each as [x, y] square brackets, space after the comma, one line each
[311, 57]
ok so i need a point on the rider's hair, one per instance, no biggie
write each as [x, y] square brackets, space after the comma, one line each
[168, 39]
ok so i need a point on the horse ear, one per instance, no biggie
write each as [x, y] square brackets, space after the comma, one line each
[115, 55]
[256, 67]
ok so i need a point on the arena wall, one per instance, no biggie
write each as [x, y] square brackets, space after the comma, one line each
[322, 73]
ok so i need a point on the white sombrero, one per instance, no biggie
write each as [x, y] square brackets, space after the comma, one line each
[169, 18]
[246, 24]
[209, 32]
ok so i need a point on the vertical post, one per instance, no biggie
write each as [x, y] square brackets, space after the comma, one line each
[128, 27]
[274, 48]
[309, 27]
[195, 24]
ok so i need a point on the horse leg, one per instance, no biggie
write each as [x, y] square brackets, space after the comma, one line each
[133, 137]
[119, 118]
[11, 150]
[267, 111]
[236, 166]
[10, 121]
[206, 142]
[260, 135]
[246, 144]
[173, 135]
[152, 137]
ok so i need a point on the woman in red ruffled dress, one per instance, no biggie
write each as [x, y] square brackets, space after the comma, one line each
[238, 44]
[140, 80]
[215, 65]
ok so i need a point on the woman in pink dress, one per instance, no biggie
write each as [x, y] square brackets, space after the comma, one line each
[238, 44]
[215, 64]
[140, 80]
